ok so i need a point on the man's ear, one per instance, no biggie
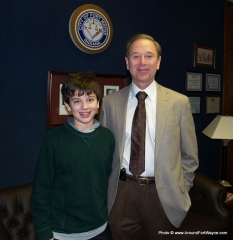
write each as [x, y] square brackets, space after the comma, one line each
[67, 107]
[158, 62]
[127, 63]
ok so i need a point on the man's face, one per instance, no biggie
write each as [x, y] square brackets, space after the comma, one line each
[142, 62]
[83, 109]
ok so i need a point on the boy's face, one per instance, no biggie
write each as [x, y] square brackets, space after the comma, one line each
[83, 109]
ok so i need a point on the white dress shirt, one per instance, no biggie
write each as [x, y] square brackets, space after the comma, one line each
[150, 103]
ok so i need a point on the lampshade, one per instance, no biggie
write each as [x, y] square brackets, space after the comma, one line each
[220, 128]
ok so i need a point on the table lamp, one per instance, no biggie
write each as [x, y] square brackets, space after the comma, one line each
[221, 128]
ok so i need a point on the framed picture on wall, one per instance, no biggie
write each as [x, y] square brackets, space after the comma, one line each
[57, 113]
[195, 102]
[213, 82]
[193, 81]
[212, 105]
[110, 89]
[204, 56]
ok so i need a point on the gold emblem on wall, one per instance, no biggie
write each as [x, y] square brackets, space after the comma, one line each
[91, 29]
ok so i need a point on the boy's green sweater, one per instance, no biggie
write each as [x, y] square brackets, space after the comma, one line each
[70, 186]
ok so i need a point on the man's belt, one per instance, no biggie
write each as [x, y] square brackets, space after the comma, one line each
[141, 180]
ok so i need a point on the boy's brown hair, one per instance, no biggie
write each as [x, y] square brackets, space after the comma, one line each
[84, 83]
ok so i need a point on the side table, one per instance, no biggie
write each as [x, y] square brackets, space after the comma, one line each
[229, 206]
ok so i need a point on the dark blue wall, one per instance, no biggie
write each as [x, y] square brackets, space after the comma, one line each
[35, 39]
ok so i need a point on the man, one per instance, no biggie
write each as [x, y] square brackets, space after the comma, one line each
[150, 205]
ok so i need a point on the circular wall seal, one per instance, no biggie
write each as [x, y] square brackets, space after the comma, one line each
[91, 29]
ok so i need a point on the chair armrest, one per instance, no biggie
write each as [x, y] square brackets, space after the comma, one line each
[15, 213]
[207, 197]
[3, 232]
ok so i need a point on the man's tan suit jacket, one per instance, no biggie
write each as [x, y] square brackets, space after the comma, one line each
[176, 155]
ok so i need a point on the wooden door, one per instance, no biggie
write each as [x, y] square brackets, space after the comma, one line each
[228, 79]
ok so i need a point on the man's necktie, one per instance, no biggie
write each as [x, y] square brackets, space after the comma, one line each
[138, 135]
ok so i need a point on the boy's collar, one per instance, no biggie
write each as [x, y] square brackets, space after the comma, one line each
[95, 125]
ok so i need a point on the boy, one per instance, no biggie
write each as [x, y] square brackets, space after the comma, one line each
[69, 199]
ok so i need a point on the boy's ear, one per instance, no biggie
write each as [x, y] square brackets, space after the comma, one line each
[67, 107]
